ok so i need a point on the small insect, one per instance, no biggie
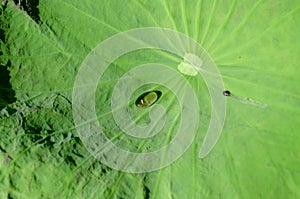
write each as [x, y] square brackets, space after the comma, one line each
[244, 100]
[147, 99]
[227, 93]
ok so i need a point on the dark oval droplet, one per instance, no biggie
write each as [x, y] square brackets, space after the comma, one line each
[227, 93]
[147, 99]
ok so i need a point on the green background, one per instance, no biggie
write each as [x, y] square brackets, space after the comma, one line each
[256, 47]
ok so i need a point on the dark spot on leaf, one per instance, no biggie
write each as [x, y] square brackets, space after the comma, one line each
[2, 150]
[146, 189]
[9, 196]
[7, 94]
[31, 8]
[10, 110]
[103, 171]
[2, 37]
[70, 160]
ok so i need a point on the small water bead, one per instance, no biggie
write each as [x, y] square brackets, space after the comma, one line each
[147, 99]
[191, 65]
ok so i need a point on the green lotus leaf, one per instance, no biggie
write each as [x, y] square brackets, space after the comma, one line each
[255, 45]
